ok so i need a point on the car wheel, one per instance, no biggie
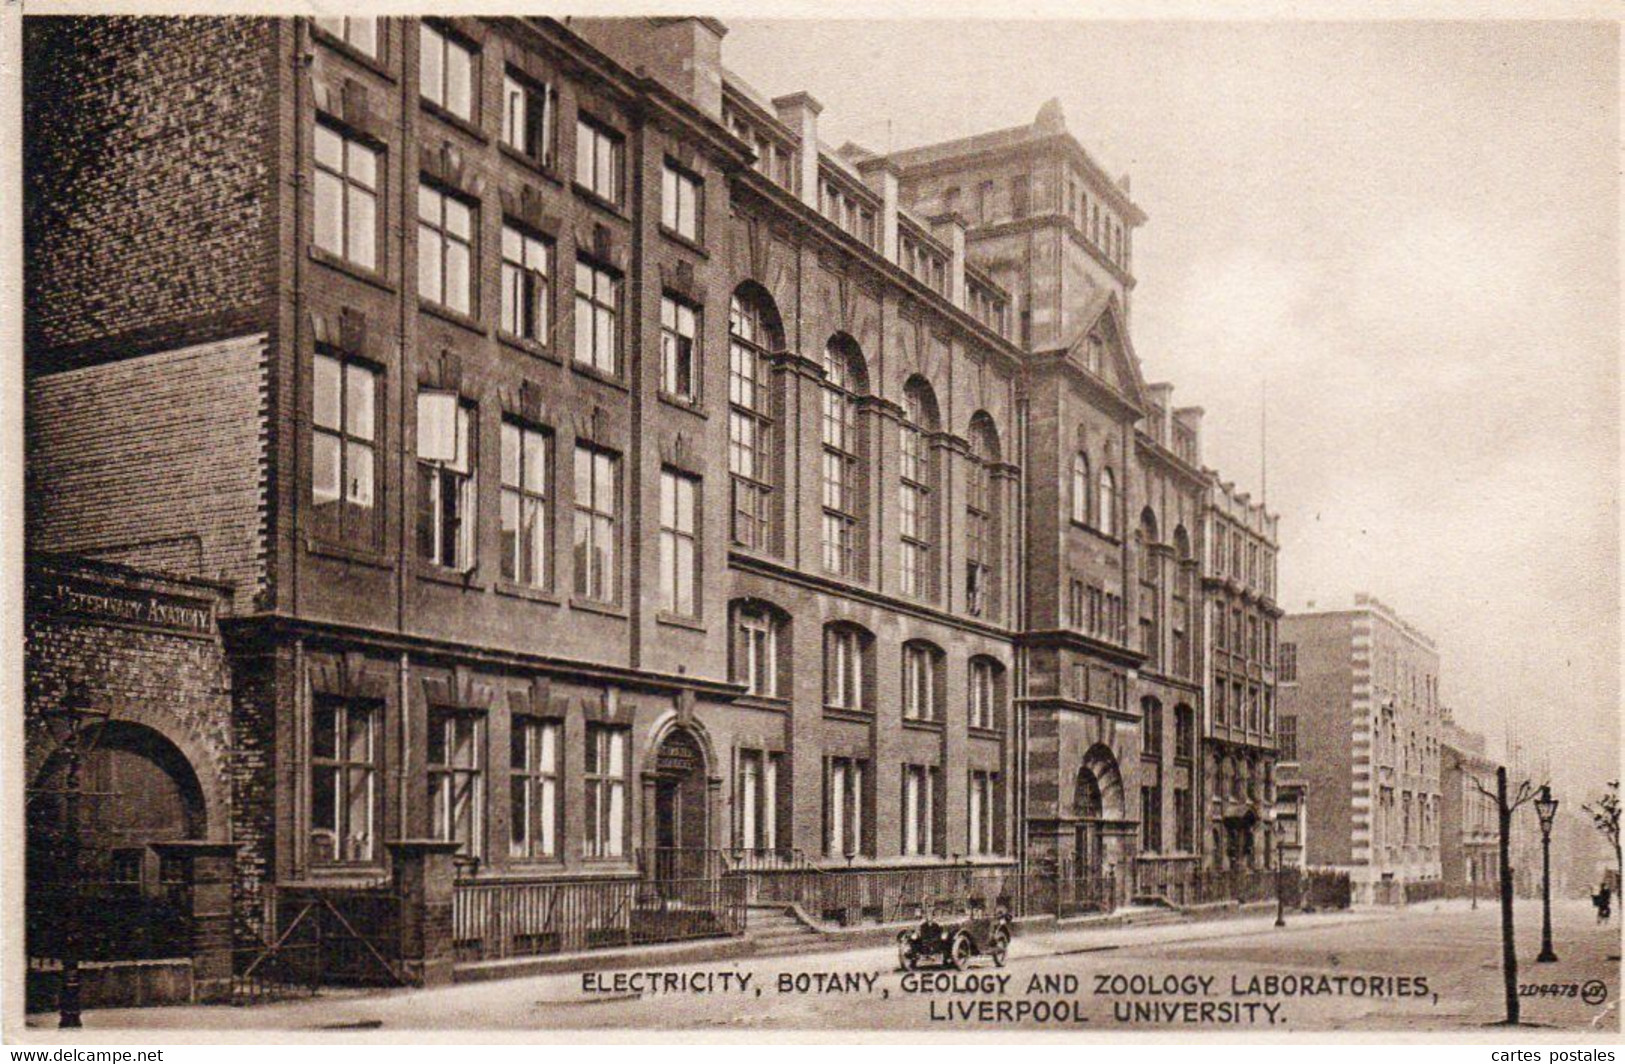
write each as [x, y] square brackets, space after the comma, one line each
[959, 952]
[1001, 947]
[906, 959]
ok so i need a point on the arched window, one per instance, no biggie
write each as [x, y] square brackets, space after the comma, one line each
[848, 668]
[844, 382]
[923, 683]
[1080, 488]
[753, 332]
[1106, 503]
[916, 491]
[981, 518]
[1150, 589]
[760, 648]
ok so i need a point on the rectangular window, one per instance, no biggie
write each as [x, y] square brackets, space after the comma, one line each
[758, 800]
[598, 161]
[1287, 741]
[681, 202]
[984, 202]
[1219, 713]
[844, 807]
[359, 33]
[919, 683]
[979, 540]
[1288, 672]
[456, 780]
[446, 469]
[446, 72]
[527, 119]
[1184, 830]
[749, 429]
[1075, 606]
[533, 817]
[1184, 733]
[679, 547]
[983, 695]
[679, 349]
[597, 506]
[1152, 746]
[344, 751]
[1151, 819]
[598, 301]
[919, 810]
[346, 197]
[914, 503]
[527, 286]
[445, 249]
[981, 816]
[843, 669]
[344, 402]
[526, 518]
[607, 770]
[1020, 194]
[756, 656]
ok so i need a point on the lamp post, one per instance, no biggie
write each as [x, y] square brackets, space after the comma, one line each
[1546, 810]
[1280, 895]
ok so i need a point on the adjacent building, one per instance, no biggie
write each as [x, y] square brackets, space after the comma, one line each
[586, 469]
[1366, 718]
[1469, 828]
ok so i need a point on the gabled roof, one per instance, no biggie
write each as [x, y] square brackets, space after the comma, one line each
[1104, 306]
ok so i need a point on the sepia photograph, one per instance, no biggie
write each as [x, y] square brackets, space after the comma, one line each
[788, 524]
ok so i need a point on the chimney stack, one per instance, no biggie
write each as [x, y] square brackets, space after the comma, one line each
[800, 112]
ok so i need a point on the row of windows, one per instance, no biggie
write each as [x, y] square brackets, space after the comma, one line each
[849, 811]
[343, 495]
[346, 226]
[1151, 826]
[1094, 499]
[1237, 555]
[1095, 611]
[1245, 635]
[844, 462]
[1243, 705]
[1103, 229]
[761, 662]
[1151, 726]
[346, 770]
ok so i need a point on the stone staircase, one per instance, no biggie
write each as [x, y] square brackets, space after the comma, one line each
[775, 930]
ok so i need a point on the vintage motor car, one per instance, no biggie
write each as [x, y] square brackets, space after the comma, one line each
[952, 940]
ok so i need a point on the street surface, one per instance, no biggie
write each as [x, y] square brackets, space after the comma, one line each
[1434, 966]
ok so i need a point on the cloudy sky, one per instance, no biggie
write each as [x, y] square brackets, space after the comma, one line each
[1408, 234]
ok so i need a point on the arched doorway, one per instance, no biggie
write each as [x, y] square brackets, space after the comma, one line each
[681, 814]
[135, 788]
[1097, 802]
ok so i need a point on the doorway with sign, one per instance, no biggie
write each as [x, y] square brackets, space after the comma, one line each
[681, 817]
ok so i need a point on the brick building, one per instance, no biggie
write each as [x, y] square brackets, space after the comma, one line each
[608, 480]
[1366, 717]
[1469, 832]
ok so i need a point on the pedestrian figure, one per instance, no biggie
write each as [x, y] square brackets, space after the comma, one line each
[1601, 900]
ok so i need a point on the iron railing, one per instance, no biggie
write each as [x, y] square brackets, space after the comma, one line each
[493, 920]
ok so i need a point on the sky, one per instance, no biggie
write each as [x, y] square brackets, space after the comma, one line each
[1401, 240]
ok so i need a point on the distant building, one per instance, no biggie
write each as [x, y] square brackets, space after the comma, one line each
[1469, 832]
[1364, 700]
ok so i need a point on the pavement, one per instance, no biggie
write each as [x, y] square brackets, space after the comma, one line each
[1430, 967]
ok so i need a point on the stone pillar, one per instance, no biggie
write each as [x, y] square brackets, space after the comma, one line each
[424, 877]
[204, 871]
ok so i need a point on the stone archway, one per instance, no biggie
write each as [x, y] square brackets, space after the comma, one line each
[136, 789]
[1097, 803]
[677, 806]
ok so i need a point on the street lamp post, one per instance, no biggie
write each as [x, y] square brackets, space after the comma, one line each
[1546, 810]
[1280, 895]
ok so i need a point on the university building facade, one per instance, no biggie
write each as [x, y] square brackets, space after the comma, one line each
[590, 474]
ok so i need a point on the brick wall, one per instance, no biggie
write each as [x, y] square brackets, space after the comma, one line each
[157, 462]
[147, 183]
